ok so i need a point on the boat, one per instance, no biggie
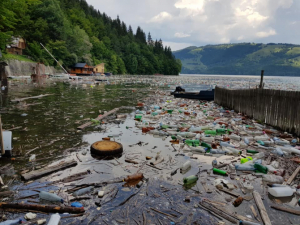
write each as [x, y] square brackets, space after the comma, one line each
[207, 95]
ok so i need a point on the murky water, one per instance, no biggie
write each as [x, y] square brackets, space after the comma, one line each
[47, 127]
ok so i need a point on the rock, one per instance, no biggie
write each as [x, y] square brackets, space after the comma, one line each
[30, 216]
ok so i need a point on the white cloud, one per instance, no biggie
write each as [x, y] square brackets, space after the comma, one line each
[202, 22]
[163, 16]
[177, 46]
[195, 5]
[181, 35]
[264, 34]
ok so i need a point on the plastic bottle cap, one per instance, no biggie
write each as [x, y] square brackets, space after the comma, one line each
[62, 201]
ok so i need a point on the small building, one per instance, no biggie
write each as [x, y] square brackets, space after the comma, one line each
[99, 69]
[82, 69]
[16, 47]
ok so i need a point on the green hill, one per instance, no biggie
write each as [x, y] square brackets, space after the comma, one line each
[75, 31]
[241, 59]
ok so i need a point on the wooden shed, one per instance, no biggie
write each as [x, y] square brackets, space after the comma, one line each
[16, 47]
[82, 69]
[99, 69]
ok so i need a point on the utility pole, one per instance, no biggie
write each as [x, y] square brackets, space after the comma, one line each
[261, 86]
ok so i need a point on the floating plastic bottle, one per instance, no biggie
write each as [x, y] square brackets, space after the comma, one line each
[261, 138]
[261, 168]
[208, 146]
[245, 167]
[235, 137]
[54, 219]
[221, 131]
[186, 134]
[83, 191]
[231, 151]
[210, 132]
[138, 117]
[190, 179]
[185, 166]
[259, 155]
[193, 143]
[198, 149]
[278, 151]
[252, 151]
[244, 160]
[220, 172]
[226, 144]
[217, 151]
[11, 222]
[281, 191]
[50, 197]
[272, 179]
[207, 139]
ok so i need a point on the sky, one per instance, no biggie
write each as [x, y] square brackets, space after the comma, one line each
[184, 23]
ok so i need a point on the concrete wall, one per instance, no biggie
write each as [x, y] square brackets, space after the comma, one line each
[20, 68]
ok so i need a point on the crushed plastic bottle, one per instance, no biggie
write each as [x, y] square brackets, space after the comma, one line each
[50, 197]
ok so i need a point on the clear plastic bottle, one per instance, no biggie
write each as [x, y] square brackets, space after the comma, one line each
[281, 191]
[226, 144]
[186, 134]
[259, 155]
[232, 150]
[245, 167]
[272, 179]
[50, 197]
[278, 151]
[83, 191]
[185, 166]
[198, 149]
[235, 137]
[217, 151]
[207, 139]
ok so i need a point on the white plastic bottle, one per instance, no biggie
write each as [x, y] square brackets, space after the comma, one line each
[54, 219]
[281, 191]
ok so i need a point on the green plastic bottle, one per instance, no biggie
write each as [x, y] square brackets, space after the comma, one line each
[164, 126]
[170, 111]
[221, 131]
[204, 111]
[194, 143]
[252, 151]
[174, 137]
[220, 172]
[190, 179]
[210, 132]
[138, 117]
[261, 142]
[261, 168]
[203, 144]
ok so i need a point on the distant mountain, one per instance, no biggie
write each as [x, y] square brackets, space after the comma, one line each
[241, 59]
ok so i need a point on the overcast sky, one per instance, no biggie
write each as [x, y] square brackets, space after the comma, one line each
[183, 23]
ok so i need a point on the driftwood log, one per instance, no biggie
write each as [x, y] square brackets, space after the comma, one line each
[98, 118]
[43, 172]
[6, 193]
[290, 180]
[23, 99]
[42, 208]
[284, 209]
[261, 207]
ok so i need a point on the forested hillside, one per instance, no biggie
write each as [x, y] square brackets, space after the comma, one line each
[243, 58]
[74, 31]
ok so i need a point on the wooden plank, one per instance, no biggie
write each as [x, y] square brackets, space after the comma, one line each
[43, 172]
[262, 210]
[254, 213]
[291, 178]
[284, 209]
[100, 117]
